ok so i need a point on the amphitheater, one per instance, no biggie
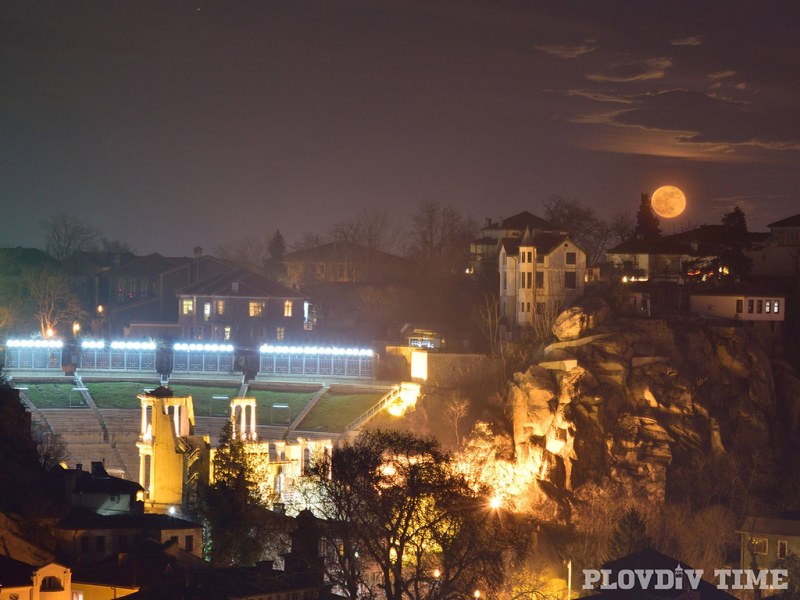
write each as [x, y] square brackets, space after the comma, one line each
[91, 433]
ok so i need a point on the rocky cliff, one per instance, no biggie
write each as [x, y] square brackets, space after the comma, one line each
[655, 406]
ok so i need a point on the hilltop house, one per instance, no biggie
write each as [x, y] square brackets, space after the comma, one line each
[244, 307]
[483, 251]
[778, 255]
[673, 258]
[766, 540]
[753, 305]
[342, 262]
[141, 295]
[539, 274]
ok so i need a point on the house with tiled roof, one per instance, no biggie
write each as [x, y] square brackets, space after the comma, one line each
[673, 258]
[342, 262]
[141, 294]
[539, 275]
[243, 307]
[766, 540]
[484, 250]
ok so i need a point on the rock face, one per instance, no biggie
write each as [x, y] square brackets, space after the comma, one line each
[577, 320]
[630, 403]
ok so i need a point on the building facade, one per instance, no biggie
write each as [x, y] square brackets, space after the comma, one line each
[539, 275]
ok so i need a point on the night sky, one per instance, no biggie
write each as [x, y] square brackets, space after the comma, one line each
[171, 124]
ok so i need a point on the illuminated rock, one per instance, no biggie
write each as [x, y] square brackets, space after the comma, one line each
[577, 320]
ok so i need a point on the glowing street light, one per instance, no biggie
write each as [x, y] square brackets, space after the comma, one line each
[50, 332]
[76, 329]
[495, 502]
[477, 594]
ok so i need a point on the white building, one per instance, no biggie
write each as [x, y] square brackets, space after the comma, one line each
[539, 274]
[757, 307]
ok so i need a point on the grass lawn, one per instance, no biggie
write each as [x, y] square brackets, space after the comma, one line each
[334, 412]
[118, 394]
[204, 402]
[265, 414]
[53, 395]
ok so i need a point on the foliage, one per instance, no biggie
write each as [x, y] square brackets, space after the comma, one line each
[51, 448]
[276, 246]
[66, 235]
[647, 223]
[394, 497]
[629, 536]
[230, 508]
[792, 564]
[733, 255]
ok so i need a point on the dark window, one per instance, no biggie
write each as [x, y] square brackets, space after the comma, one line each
[123, 542]
[571, 280]
[173, 538]
[783, 548]
[750, 307]
[100, 543]
[759, 306]
[189, 543]
[539, 280]
[85, 544]
[739, 306]
[572, 258]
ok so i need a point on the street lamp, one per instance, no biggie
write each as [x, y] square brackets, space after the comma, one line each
[76, 329]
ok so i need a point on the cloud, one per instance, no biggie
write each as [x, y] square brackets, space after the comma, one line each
[652, 68]
[569, 51]
[695, 40]
[597, 96]
[721, 74]
[699, 118]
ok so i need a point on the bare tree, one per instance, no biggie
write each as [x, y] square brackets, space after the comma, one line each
[456, 409]
[66, 235]
[440, 235]
[50, 297]
[52, 449]
[372, 228]
[249, 252]
[623, 228]
[308, 239]
[591, 233]
[487, 316]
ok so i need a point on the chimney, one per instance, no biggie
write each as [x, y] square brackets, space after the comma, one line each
[198, 251]
[235, 287]
[488, 222]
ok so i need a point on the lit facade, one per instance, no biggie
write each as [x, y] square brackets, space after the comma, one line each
[539, 274]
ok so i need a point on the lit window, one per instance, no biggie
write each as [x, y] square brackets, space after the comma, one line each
[206, 311]
[227, 334]
[256, 308]
[572, 258]
[776, 306]
[280, 333]
[768, 306]
[187, 306]
[759, 545]
[220, 307]
[287, 308]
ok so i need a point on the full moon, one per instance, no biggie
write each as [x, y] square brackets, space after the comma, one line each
[668, 201]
